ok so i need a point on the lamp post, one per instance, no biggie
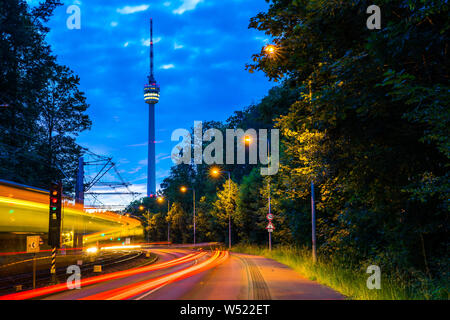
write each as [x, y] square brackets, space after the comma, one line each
[313, 204]
[184, 189]
[216, 172]
[161, 199]
[148, 222]
[269, 197]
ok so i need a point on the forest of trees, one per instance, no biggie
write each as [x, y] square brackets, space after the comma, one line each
[362, 113]
[43, 109]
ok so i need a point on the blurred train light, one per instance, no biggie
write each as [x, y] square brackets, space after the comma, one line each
[92, 250]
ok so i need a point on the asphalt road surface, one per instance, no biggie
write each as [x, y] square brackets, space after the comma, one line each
[204, 276]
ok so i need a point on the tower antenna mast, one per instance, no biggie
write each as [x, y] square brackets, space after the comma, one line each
[152, 78]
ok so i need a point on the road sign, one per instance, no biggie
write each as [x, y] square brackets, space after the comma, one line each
[33, 244]
[127, 241]
[270, 217]
[270, 226]
[97, 268]
[33, 247]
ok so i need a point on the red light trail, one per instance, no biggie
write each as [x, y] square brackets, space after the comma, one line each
[135, 289]
[30, 294]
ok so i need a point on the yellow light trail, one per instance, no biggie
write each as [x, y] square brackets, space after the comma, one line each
[27, 211]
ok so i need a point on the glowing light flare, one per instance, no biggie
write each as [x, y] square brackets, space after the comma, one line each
[272, 51]
[215, 171]
[92, 250]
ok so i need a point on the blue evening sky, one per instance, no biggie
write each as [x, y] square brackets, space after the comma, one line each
[201, 48]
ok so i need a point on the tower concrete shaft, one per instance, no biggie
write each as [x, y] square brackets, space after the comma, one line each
[151, 174]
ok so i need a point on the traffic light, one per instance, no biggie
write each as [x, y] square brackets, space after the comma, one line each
[54, 225]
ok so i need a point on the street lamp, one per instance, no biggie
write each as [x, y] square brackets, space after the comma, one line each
[216, 172]
[160, 200]
[272, 51]
[142, 208]
[184, 189]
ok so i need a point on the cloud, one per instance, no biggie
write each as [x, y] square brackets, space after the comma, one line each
[114, 24]
[262, 39]
[135, 170]
[162, 173]
[187, 6]
[177, 46]
[162, 156]
[144, 144]
[123, 161]
[146, 42]
[133, 9]
[167, 66]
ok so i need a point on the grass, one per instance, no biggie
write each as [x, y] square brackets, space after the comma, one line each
[342, 278]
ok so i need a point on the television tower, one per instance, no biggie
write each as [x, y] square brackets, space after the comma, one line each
[151, 97]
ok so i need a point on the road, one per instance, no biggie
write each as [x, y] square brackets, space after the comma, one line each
[184, 274]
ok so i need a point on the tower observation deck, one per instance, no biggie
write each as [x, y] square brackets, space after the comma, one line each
[151, 97]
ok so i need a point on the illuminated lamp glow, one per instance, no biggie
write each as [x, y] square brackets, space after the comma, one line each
[92, 250]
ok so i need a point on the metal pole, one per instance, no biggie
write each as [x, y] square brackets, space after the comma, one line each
[34, 270]
[148, 226]
[270, 233]
[53, 266]
[313, 222]
[168, 223]
[270, 208]
[229, 213]
[194, 215]
[79, 186]
[270, 241]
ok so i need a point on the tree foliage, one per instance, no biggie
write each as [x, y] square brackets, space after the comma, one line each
[46, 109]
